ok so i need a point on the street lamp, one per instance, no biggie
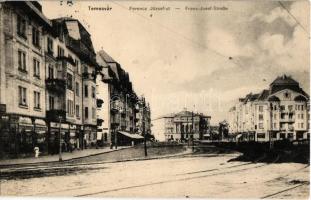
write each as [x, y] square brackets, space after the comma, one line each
[60, 140]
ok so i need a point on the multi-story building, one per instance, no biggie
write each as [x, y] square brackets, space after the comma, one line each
[78, 61]
[22, 76]
[182, 126]
[276, 113]
[120, 103]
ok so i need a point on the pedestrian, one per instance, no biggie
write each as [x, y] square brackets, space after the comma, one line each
[37, 151]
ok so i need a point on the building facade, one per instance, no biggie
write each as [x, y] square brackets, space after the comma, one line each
[280, 112]
[182, 126]
[53, 91]
[122, 112]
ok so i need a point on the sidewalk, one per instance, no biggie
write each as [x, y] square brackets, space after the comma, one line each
[65, 156]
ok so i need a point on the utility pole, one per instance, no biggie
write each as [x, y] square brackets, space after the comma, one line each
[60, 140]
[143, 123]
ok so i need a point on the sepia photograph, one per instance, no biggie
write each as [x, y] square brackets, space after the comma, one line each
[155, 99]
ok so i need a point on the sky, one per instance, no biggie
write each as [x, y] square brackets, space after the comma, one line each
[198, 60]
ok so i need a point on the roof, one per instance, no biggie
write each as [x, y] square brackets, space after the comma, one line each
[284, 80]
[101, 61]
[106, 57]
[263, 95]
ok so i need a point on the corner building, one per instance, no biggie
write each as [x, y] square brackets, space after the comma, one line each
[280, 112]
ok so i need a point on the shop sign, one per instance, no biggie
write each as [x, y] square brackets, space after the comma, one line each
[2, 109]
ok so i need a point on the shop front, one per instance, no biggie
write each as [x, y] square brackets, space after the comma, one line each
[41, 135]
[55, 136]
[26, 135]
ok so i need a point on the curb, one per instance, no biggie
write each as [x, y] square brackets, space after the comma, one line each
[56, 161]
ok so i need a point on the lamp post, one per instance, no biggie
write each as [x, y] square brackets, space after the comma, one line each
[143, 123]
[60, 140]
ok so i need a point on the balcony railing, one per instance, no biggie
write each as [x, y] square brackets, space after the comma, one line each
[286, 119]
[100, 122]
[99, 103]
[67, 59]
[56, 115]
[55, 85]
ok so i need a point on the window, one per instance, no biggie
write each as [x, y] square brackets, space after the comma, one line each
[70, 108]
[50, 46]
[22, 61]
[51, 103]
[93, 113]
[260, 108]
[36, 99]
[260, 117]
[69, 81]
[302, 107]
[301, 116]
[22, 96]
[51, 72]
[93, 92]
[21, 27]
[86, 112]
[36, 68]
[274, 125]
[77, 65]
[301, 125]
[290, 107]
[35, 37]
[77, 111]
[260, 125]
[60, 51]
[275, 116]
[287, 95]
[86, 92]
[282, 108]
[77, 89]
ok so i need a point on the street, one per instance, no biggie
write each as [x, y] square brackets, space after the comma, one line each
[197, 175]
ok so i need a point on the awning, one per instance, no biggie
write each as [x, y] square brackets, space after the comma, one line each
[134, 136]
[238, 136]
[26, 121]
[40, 122]
[40, 132]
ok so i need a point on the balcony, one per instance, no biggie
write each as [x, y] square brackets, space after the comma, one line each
[114, 107]
[55, 85]
[136, 110]
[99, 103]
[67, 59]
[88, 76]
[56, 115]
[287, 119]
[100, 122]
